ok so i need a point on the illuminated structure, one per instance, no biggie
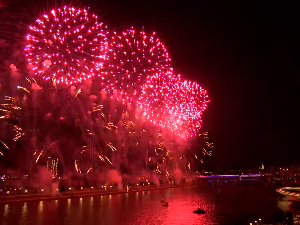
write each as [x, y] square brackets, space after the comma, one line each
[52, 164]
[262, 166]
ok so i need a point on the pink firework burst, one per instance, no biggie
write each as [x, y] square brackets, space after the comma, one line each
[186, 114]
[67, 45]
[157, 97]
[133, 55]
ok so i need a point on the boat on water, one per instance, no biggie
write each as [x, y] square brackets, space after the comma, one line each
[199, 211]
[165, 204]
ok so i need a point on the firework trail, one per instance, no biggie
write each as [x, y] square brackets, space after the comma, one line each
[67, 45]
[77, 168]
[4, 144]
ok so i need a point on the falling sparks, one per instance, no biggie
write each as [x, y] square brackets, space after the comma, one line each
[4, 144]
[89, 170]
[103, 116]
[101, 157]
[24, 89]
[208, 145]
[66, 46]
[108, 160]
[78, 92]
[77, 168]
[84, 149]
[111, 146]
[39, 156]
[19, 132]
[97, 108]
[18, 136]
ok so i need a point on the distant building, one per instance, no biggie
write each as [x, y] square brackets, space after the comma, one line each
[262, 166]
[52, 164]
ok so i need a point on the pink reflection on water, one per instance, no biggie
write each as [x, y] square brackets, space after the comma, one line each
[179, 211]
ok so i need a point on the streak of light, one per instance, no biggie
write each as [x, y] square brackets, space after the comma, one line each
[4, 144]
[24, 89]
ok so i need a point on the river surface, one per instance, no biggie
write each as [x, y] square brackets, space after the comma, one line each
[239, 202]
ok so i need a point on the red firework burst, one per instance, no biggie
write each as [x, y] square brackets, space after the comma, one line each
[185, 115]
[133, 55]
[67, 45]
[157, 97]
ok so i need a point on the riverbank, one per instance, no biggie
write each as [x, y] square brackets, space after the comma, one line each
[84, 193]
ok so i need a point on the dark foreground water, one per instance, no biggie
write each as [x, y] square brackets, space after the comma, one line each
[238, 203]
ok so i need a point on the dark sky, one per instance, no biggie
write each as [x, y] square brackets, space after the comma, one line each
[246, 56]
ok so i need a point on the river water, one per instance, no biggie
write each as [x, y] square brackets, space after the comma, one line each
[239, 202]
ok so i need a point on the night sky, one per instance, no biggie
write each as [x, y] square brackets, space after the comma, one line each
[246, 56]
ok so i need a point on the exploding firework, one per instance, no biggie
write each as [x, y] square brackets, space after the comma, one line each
[157, 97]
[67, 45]
[133, 55]
[185, 115]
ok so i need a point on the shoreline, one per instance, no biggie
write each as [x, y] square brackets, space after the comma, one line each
[79, 194]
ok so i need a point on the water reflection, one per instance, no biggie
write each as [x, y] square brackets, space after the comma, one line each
[145, 207]
[69, 218]
[91, 212]
[80, 209]
[6, 210]
[40, 210]
[5, 214]
[23, 219]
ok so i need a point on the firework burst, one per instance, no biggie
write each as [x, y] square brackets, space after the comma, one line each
[185, 115]
[157, 97]
[67, 45]
[132, 56]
